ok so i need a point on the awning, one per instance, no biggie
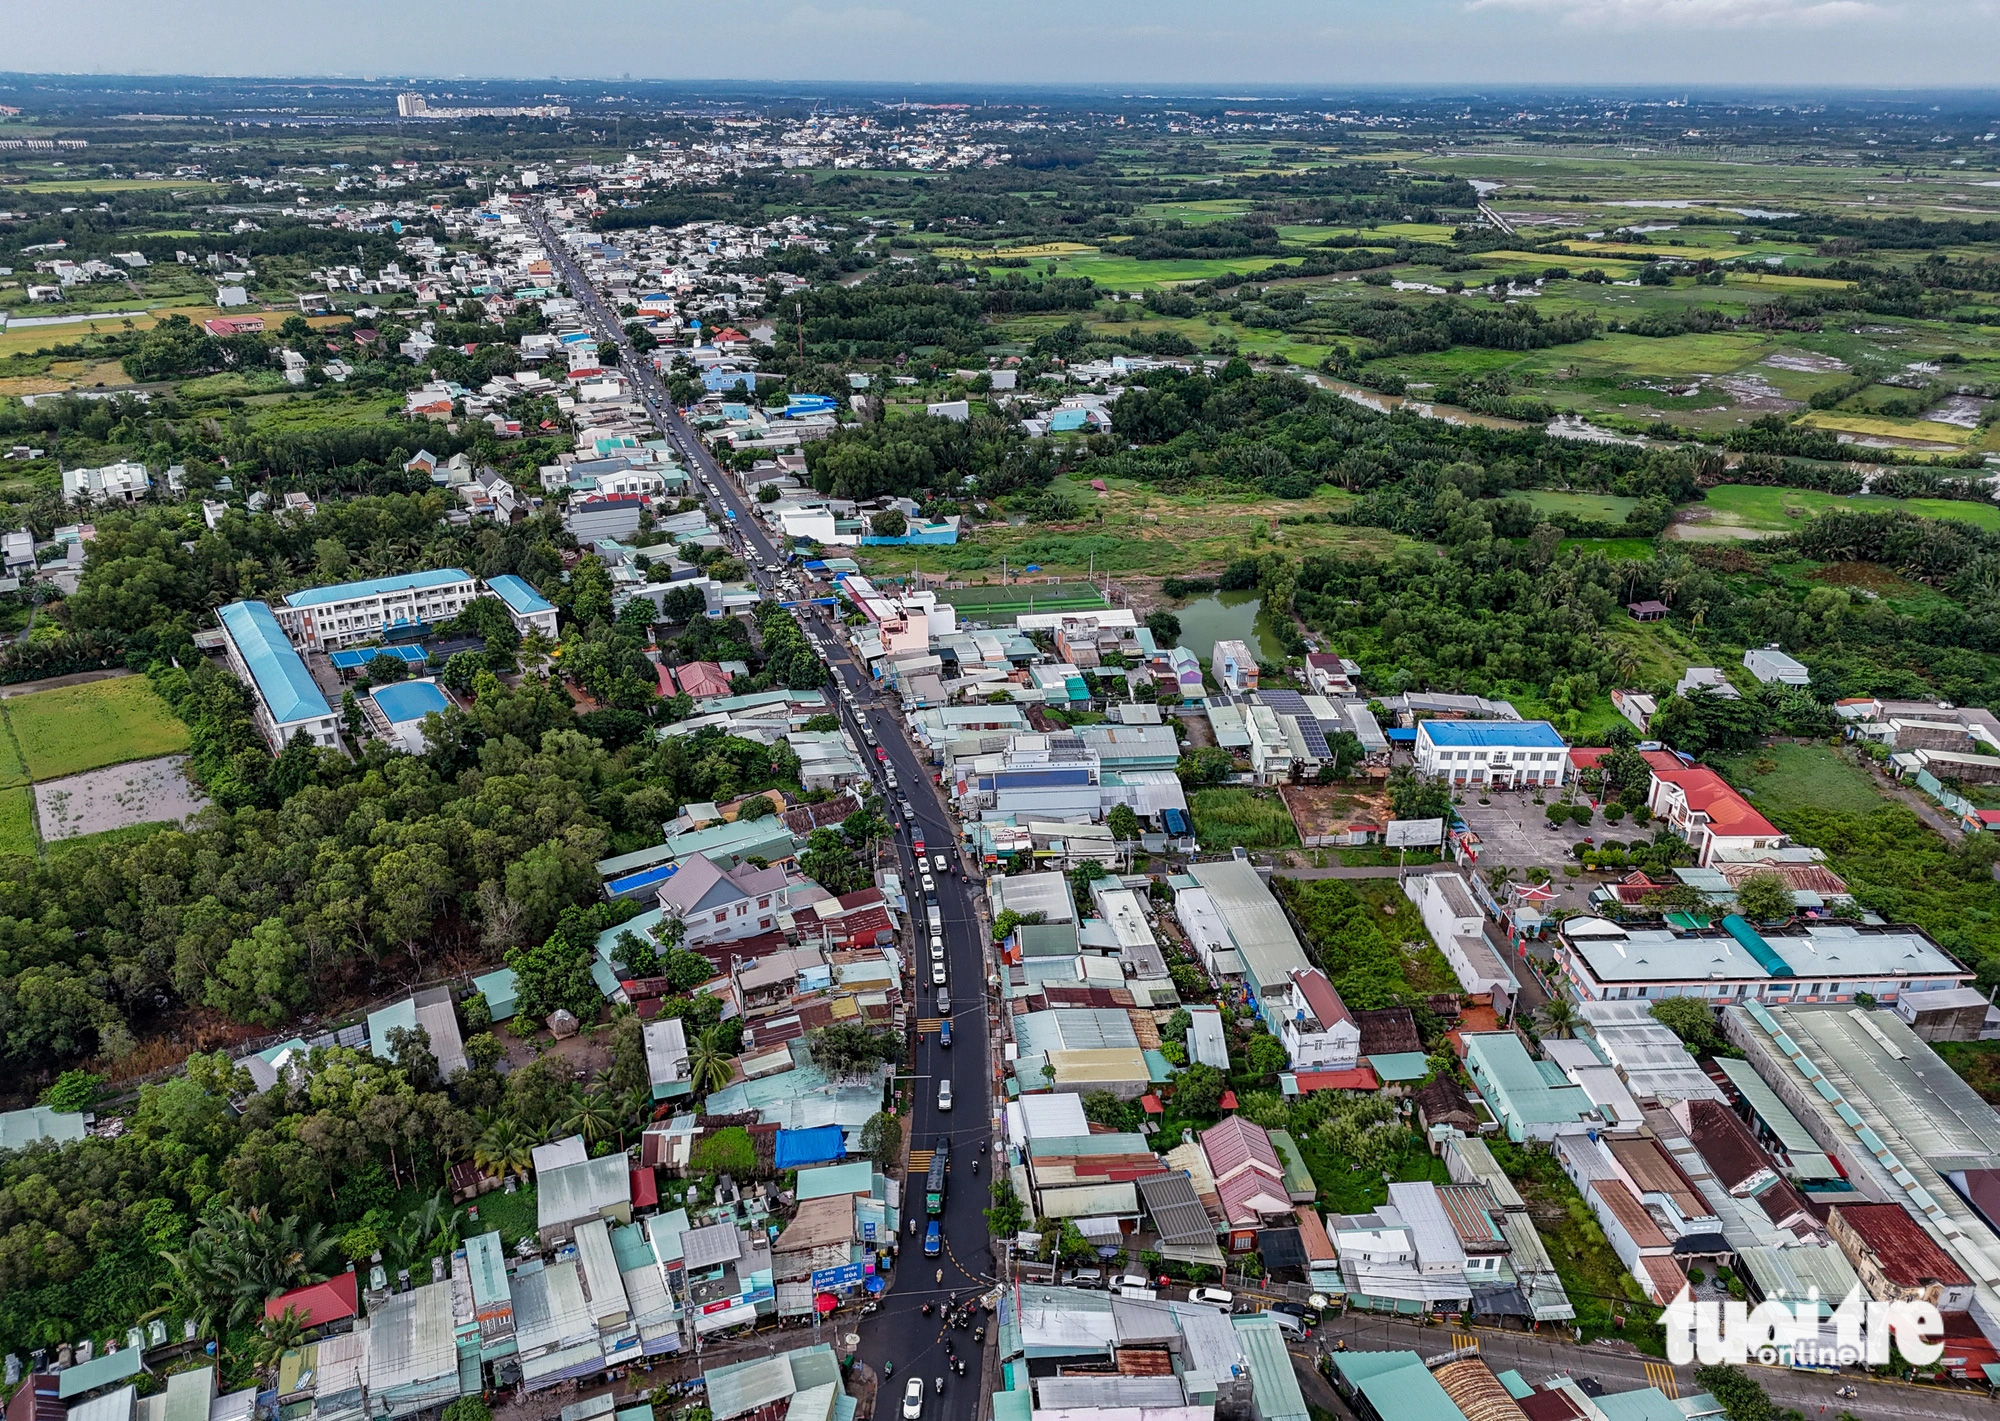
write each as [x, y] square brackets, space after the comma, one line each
[1100, 1229]
[1209, 1254]
[727, 1317]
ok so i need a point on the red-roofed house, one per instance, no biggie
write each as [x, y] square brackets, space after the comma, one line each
[1249, 1179]
[645, 1189]
[1589, 758]
[320, 1305]
[1319, 1032]
[856, 919]
[1896, 1258]
[1711, 816]
[702, 678]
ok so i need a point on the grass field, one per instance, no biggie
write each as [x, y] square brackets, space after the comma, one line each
[1600, 507]
[1017, 598]
[77, 728]
[1929, 431]
[1226, 818]
[12, 771]
[1800, 777]
[1132, 529]
[1764, 509]
[17, 821]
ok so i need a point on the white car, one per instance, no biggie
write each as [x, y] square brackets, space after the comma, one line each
[1219, 1297]
[913, 1399]
[942, 867]
[937, 949]
[944, 1095]
[929, 883]
[937, 974]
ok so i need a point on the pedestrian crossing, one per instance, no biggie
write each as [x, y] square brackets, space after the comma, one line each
[920, 1162]
[1662, 1376]
[929, 1023]
[1464, 1342]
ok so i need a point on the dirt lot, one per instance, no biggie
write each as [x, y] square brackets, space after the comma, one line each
[1319, 810]
[143, 792]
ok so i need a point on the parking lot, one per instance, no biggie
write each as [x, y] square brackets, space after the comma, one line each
[1514, 830]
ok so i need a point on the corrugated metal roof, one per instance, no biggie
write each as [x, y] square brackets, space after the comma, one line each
[1093, 1393]
[99, 1371]
[377, 587]
[286, 687]
[748, 1386]
[1175, 1208]
[1276, 1389]
[580, 1191]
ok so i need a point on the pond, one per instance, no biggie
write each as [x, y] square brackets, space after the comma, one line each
[1221, 616]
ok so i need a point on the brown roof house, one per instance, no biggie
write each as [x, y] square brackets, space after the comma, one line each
[1896, 1258]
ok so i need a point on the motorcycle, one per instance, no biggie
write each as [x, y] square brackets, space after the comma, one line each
[979, 1335]
[975, 1166]
[1847, 1393]
[888, 1369]
[925, 1309]
[870, 1309]
[940, 1386]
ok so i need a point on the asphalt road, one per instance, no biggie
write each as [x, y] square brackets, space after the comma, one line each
[898, 1333]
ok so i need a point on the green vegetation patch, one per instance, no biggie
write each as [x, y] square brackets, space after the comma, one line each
[76, 728]
[1769, 509]
[1781, 778]
[17, 821]
[1254, 819]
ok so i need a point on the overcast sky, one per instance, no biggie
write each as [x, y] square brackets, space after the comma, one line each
[1316, 42]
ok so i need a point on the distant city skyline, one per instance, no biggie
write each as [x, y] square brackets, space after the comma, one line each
[1846, 43]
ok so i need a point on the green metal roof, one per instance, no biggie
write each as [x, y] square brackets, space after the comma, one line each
[1275, 1388]
[100, 1371]
[854, 1177]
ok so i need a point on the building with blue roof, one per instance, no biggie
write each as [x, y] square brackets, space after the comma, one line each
[1500, 753]
[328, 617]
[403, 705]
[529, 610]
[284, 697]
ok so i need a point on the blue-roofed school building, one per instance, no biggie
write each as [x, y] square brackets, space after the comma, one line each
[327, 617]
[403, 706]
[284, 697]
[1501, 753]
[529, 610]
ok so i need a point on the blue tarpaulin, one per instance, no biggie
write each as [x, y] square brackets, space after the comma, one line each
[798, 1148]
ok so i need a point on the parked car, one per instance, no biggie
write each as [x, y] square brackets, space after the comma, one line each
[937, 974]
[1219, 1297]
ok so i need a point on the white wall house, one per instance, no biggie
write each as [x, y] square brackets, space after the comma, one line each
[1492, 752]
[125, 482]
[1319, 1032]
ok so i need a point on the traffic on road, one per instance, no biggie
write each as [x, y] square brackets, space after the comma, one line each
[923, 1322]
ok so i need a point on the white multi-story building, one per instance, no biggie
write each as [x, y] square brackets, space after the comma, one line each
[529, 610]
[332, 617]
[125, 482]
[284, 697]
[1319, 1032]
[1492, 752]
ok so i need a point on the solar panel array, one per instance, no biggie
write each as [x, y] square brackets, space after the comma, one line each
[1293, 704]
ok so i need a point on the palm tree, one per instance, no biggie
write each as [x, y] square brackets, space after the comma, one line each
[503, 1150]
[431, 1230]
[591, 1116]
[277, 1336]
[635, 1108]
[1559, 1016]
[708, 1064]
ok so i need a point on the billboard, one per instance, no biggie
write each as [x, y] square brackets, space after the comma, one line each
[1414, 833]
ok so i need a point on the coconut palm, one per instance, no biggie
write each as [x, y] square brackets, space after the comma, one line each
[708, 1063]
[1559, 1016]
[502, 1149]
[591, 1115]
[277, 1336]
[432, 1229]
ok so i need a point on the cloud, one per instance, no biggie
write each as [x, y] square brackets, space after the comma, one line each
[1694, 14]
